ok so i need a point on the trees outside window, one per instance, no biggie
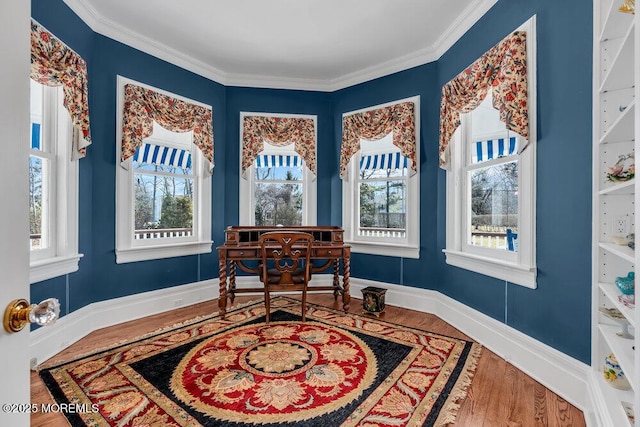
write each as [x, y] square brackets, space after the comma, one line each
[278, 201]
[163, 194]
[383, 199]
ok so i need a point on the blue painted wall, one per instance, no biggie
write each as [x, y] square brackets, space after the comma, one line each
[420, 81]
[99, 277]
[557, 313]
[111, 59]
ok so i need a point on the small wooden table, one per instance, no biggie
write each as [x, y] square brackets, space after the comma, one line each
[241, 245]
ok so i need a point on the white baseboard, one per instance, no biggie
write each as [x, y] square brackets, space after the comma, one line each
[49, 340]
[555, 370]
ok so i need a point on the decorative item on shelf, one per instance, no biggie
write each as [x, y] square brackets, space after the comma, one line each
[626, 284]
[628, 409]
[373, 300]
[629, 6]
[632, 241]
[623, 170]
[620, 240]
[617, 316]
[628, 300]
[613, 373]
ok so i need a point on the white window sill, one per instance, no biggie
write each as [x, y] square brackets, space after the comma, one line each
[53, 267]
[386, 249]
[146, 253]
[510, 272]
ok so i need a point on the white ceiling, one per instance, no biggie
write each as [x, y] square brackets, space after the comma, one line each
[294, 44]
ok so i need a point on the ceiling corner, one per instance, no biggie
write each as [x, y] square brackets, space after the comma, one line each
[462, 24]
[119, 33]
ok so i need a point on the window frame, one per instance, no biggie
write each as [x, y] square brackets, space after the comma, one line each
[129, 249]
[246, 187]
[513, 267]
[62, 256]
[410, 247]
[466, 143]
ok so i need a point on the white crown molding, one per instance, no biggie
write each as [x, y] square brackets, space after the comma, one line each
[410, 60]
[115, 31]
[275, 82]
[461, 25]
[457, 29]
[564, 375]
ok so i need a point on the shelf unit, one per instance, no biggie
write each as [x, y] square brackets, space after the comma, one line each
[616, 122]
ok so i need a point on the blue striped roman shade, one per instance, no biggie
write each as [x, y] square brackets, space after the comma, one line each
[383, 161]
[494, 148]
[162, 155]
[278, 160]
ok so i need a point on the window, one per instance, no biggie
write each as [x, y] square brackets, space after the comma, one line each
[277, 187]
[382, 190]
[163, 194]
[163, 186]
[491, 191]
[53, 187]
[381, 203]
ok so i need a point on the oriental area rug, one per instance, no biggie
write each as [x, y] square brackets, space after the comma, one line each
[334, 369]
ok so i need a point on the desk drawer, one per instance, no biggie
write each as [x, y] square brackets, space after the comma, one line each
[243, 253]
[327, 253]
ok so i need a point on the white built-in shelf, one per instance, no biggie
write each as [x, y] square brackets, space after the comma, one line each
[610, 290]
[622, 130]
[616, 120]
[615, 24]
[626, 187]
[613, 399]
[623, 252]
[620, 74]
[623, 349]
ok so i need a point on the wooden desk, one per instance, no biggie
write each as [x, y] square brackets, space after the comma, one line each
[241, 245]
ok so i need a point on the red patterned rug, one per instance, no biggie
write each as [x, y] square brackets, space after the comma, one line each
[335, 369]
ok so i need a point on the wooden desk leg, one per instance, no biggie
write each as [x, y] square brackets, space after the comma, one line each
[222, 273]
[232, 281]
[336, 278]
[346, 297]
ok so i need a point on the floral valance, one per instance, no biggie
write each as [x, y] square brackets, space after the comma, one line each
[376, 124]
[55, 64]
[144, 106]
[278, 131]
[503, 69]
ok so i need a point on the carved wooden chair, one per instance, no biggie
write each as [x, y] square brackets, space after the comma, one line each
[285, 264]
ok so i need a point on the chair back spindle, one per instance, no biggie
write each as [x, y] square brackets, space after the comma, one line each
[285, 264]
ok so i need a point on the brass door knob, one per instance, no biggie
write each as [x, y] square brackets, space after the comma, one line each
[18, 313]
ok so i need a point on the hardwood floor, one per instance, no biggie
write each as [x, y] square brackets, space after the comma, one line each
[500, 394]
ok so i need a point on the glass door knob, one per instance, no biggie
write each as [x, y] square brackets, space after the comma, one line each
[18, 313]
